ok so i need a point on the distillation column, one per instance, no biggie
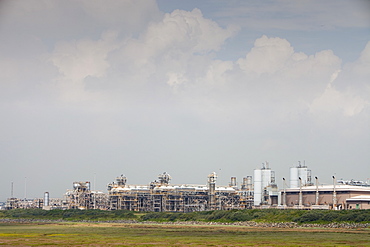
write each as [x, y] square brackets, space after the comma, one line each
[212, 190]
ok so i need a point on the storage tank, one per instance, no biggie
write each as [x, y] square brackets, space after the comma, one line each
[46, 199]
[233, 182]
[293, 182]
[249, 183]
[266, 177]
[88, 186]
[257, 176]
[300, 172]
[303, 174]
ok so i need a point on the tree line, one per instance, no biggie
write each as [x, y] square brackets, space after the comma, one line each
[258, 215]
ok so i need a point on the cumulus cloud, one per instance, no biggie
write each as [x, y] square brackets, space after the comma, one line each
[276, 56]
[279, 76]
[188, 31]
[332, 101]
[268, 55]
[348, 92]
[173, 50]
[178, 32]
[77, 60]
[360, 68]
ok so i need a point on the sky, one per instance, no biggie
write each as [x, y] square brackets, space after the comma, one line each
[90, 90]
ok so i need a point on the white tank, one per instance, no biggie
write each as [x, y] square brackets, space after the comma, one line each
[257, 178]
[46, 199]
[249, 183]
[302, 173]
[293, 182]
[88, 185]
[299, 172]
[266, 177]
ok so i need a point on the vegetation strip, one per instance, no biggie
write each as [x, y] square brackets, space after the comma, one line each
[229, 216]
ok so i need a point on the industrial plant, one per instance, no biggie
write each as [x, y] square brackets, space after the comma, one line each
[259, 191]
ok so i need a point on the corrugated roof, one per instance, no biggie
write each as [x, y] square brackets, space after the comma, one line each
[331, 188]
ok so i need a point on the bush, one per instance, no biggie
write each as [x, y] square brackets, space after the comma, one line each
[269, 215]
[309, 216]
[239, 216]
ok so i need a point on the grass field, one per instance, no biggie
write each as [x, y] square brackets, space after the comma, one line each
[115, 234]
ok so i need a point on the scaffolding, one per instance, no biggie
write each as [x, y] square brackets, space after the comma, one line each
[160, 196]
[81, 197]
[14, 203]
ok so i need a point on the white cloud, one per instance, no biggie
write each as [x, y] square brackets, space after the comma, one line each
[175, 51]
[77, 60]
[277, 56]
[348, 92]
[178, 33]
[332, 101]
[268, 55]
[188, 31]
[361, 67]
[174, 79]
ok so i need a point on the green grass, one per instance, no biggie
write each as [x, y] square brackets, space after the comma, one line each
[259, 215]
[108, 234]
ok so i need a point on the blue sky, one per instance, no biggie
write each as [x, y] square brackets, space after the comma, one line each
[98, 89]
[309, 26]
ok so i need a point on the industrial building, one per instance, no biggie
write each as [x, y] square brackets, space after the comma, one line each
[300, 176]
[82, 197]
[13, 203]
[160, 195]
[265, 188]
[259, 191]
[303, 194]
[327, 196]
[358, 202]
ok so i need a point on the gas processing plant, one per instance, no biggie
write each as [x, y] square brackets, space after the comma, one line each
[261, 191]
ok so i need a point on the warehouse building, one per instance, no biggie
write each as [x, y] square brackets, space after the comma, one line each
[336, 196]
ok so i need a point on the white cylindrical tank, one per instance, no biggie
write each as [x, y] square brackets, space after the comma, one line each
[302, 173]
[266, 177]
[249, 183]
[46, 199]
[293, 182]
[257, 176]
[233, 182]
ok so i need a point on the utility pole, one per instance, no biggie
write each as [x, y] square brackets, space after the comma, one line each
[284, 197]
[94, 191]
[317, 191]
[25, 193]
[25, 187]
[11, 191]
[300, 193]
